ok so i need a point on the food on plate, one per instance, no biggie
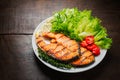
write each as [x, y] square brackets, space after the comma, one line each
[72, 38]
[88, 43]
[58, 46]
[85, 58]
[62, 48]
[79, 24]
[57, 63]
[89, 39]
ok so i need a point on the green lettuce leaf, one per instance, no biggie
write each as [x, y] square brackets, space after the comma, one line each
[79, 24]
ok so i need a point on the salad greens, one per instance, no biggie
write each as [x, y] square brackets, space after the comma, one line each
[79, 24]
[52, 61]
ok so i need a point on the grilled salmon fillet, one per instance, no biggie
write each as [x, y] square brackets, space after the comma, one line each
[61, 39]
[86, 58]
[60, 47]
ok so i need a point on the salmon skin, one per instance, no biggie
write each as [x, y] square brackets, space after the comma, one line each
[86, 58]
[59, 47]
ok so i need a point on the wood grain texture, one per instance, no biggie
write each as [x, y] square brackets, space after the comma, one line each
[18, 62]
[23, 16]
[19, 18]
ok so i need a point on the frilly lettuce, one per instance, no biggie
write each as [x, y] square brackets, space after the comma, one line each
[79, 24]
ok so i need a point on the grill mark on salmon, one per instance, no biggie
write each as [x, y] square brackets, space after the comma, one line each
[48, 35]
[65, 48]
[52, 35]
[74, 48]
[59, 35]
[69, 56]
[59, 54]
[86, 58]
[41, 44]
[69, 52]
[61, 39]
[58, 48]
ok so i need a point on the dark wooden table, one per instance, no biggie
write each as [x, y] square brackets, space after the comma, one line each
[19, 18]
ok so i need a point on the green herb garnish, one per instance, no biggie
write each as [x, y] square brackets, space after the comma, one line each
[53, 61]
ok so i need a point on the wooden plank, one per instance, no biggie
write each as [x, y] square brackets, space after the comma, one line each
[22, 17]
[18, 62]
[18, 17]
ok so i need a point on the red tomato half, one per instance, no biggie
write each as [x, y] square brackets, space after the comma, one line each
[96, 51]
[89, 39]
[91, 46]
[83, 44]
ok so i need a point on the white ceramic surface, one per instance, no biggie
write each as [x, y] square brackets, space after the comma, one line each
[98, 59]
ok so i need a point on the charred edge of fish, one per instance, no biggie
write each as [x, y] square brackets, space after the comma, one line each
[85, 65]
[79, 50]
[68, 61]
[83, 61]
[73, 59]
[53, 54]
[65, 61]
[86, 58]
[60, 61]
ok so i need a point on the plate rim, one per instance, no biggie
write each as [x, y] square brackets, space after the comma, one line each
[76, 70]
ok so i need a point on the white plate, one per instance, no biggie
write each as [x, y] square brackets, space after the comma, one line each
[98, 59]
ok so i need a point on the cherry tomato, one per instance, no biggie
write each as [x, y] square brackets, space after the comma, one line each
[83, 44]
[96, 51]
[91, 46]
[89, 39]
